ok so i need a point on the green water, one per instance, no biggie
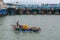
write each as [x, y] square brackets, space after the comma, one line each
[50, 25]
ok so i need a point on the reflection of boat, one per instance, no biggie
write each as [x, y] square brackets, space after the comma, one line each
[33, 29]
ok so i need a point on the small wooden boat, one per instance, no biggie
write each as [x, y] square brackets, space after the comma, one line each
[33, 29]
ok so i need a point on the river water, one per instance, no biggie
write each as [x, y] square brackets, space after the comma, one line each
[50, 25]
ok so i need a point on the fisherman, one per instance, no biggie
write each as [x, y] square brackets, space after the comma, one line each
[20, 26]
[17, 27]
[23, 27]
[17, 23]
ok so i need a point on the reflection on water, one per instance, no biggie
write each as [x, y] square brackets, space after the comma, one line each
[50, 25]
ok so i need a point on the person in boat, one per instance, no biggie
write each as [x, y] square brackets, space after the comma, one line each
[20, 26]
[17, 23]
[17, 26]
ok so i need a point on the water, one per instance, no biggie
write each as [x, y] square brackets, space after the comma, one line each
[50, 25]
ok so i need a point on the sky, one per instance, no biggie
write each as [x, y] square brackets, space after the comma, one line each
[33, 1]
